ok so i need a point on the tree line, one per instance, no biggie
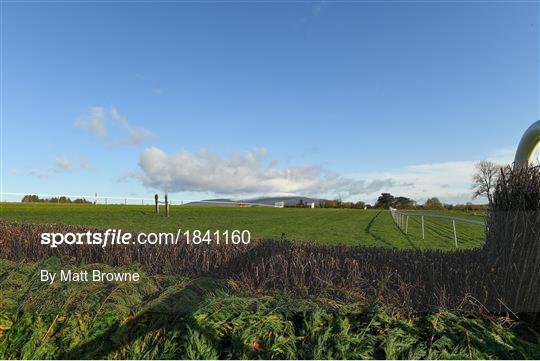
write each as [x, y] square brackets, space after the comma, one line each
[387, 200]
[32, 198]
[484, 180]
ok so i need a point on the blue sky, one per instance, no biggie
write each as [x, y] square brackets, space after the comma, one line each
[240, 99]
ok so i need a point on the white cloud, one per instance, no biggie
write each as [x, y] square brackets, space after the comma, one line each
[255, 173]
[503, 155]
[62, 165]
[249, 173]
[96, 119]
[40, 174]
[85, 164]
[94, 122]
[135, 135]
[449, 181]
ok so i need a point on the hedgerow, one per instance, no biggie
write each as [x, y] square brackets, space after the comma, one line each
[170, 317]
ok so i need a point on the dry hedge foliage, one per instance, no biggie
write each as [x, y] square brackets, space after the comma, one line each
[502, 276]
[417, 279]
[513, 240]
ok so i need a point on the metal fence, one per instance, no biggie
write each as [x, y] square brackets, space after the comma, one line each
[109, 200]
[401, 219]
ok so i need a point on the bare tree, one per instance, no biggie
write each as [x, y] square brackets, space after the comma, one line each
[485, 179]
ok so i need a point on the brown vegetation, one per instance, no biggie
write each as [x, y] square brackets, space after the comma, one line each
[413, 278]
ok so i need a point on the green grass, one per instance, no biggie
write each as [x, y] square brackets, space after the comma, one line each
[327, 226]
[173, 317]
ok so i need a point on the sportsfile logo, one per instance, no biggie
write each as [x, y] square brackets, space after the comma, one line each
[109, 237]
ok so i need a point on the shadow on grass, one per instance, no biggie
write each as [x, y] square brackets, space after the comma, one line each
[172, 310]
[368, 231]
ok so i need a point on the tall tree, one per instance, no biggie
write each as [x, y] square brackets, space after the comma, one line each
[433, 203]
[385, 200]
[403, 203]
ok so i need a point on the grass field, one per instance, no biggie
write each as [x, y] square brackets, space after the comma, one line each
[327, 226]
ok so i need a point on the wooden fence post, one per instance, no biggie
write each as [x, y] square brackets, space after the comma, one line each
[166, 205]
[156, 198]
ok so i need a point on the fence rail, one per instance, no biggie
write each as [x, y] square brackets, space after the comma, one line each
[401, 219]
[97, 199]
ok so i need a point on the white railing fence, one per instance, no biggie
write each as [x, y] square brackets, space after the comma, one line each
[109, 200]
[401, 219]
